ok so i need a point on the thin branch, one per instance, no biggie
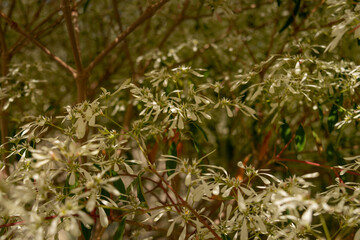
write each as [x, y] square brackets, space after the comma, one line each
[4, 53]
[81, 77]
[4, 113]
[20, 42]
[148, 13]
[175, 24]
[311, 12]
[111, 68]
[273, 34]
[186, 204]
[286, 146]
[18, 29]
[37, 14]
[249, 50]
[126, 46]
[24, 222]
[11, 10]
[71, 31]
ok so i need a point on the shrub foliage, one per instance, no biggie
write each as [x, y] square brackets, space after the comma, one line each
[180, 119]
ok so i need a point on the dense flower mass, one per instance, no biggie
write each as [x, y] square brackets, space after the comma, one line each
[185, 119]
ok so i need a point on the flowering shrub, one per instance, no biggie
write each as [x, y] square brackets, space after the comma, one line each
[230, 121]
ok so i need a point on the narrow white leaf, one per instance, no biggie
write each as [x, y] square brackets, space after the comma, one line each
[157, 218]
[227, 192]
[221, 209]
[198, 193]
[180, 123]
[188, 179]
[90, 205]
[228, 211]
[72, 178]
[88, 113]
[244, 231]
[229, 112]
[343, 172]
[80, 128]
[74, 228]
[297, 68]
[103, 218]
[207, 116]
[260, 224]
[311, 175]
[241, 202]
[53, 226]
[357, 235]
[183, 234]
[40, 163]
[306, 218]
[128, 169]
[92, 121]
[216, 190]
[271, 89]
[111, 189]
[265, 180]
[171, 228]
[246, 191]
[86, 219]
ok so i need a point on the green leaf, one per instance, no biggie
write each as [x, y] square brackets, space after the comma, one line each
[330, 152]
[121, 229]
[300, 138]
[86, 232]
[196, 146]
[333, 118]
[292, 16]
[140, 191]
[225, 237]
[201, 130]
[86, 5]
[286, 132]
[316, 136]
[321, 114]
[171, 164]
[278, 2]
[119, 185]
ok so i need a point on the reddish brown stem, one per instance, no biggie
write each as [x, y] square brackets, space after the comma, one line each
[316, 164]
[186, 205]
[286, 146]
